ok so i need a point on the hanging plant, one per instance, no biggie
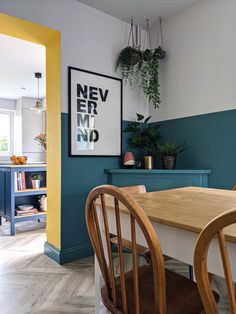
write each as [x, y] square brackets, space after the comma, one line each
[150, 69]
[142, 67]
[160, 50]
[128, 61]
[150, 76]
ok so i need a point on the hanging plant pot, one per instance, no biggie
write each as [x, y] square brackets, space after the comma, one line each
[161, 53]
[129, 59]
[135, 57]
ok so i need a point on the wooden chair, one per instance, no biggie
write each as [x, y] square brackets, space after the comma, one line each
[145, 289]
[126, 244]
[214, 228]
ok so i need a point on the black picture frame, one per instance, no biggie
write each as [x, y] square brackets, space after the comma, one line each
[71, 104]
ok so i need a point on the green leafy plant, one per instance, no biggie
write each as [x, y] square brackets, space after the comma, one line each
[171, 149]
[150, 75]
[128, 63]
[36, 176]
[144, 135]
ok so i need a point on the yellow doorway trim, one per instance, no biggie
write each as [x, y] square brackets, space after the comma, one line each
[50, 38]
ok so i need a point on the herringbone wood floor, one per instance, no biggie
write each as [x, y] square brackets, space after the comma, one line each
[32, 283]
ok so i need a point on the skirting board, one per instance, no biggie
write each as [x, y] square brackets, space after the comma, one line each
[68, 255]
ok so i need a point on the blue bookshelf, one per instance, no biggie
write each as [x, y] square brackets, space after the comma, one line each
[11, 197]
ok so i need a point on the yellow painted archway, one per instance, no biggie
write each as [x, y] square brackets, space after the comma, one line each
[50, 38]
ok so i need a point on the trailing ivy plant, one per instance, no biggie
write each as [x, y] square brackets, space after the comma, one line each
[150, 75]
[128, 63]
[144, 135]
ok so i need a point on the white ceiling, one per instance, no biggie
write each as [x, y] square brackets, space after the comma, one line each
[19, 60]
[140, 10]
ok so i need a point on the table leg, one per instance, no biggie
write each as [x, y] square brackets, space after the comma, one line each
[191, 275]
[12, 228]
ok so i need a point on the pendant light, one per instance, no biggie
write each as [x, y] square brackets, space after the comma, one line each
[38, 107]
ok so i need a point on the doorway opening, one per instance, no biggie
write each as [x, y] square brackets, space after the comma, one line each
[50, 39]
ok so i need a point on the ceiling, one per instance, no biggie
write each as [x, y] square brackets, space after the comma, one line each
[19, 60]
[140, 10]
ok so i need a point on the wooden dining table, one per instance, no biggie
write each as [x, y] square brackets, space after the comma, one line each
[178, 216]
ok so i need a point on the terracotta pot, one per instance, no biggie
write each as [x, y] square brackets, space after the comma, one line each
[129, 160]
[148, 162]
[168, 162]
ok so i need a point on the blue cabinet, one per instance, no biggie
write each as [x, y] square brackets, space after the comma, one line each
[156, 180]
[11, 197]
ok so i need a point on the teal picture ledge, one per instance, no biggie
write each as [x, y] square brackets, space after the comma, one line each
[67, 255]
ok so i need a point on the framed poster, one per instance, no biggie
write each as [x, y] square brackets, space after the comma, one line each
[95, 114]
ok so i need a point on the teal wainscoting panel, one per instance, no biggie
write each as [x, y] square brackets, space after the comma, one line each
[79, 176]
[64, 256]
[212, 142]
[158, 179]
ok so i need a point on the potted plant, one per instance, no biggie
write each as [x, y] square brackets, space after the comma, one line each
[169, 151]
[41, 139]
[144, 136]
[36, 178]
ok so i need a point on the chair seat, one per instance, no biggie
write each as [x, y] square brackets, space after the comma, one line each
[181, 293]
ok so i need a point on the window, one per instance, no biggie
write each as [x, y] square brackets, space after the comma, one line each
[6, 132]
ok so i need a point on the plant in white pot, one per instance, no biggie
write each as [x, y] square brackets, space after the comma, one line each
[36, 178]
[169, 152]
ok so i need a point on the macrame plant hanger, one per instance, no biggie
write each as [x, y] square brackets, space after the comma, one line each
[147, 43]
[131, 34]
[160, 41]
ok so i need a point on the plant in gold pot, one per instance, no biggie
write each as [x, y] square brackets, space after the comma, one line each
[145, 136]
[169, 151]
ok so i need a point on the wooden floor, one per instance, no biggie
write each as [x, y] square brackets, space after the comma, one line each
[30, 282]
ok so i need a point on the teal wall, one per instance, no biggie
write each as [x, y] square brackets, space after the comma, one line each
[212, 138]
[79, 176]
[213, 146]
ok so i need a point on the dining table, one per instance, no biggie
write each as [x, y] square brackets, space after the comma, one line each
[178, 216]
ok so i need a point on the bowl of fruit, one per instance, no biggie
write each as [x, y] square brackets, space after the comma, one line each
[18, 160]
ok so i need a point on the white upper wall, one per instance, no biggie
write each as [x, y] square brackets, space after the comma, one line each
[90, 40]
[199, 73]
[8, 104]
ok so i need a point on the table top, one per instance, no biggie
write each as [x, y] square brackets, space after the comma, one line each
[189, 208]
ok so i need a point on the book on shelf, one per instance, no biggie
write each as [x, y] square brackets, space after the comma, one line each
[20, 181]
[26, 212]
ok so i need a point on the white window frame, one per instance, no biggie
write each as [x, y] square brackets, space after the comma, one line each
[11, 114]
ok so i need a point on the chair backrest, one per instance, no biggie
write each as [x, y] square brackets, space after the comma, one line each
[214, 228]
[137, 215]
[135, 189]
